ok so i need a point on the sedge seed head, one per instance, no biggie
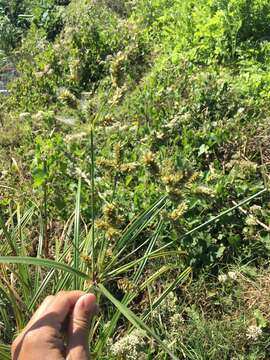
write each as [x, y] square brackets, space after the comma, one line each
[172, 179]
[102, 225]
[106, 163]
[179, 211]
[128, 167]
[109, 211]
[150, 162]
[87, 259]
[192, 179]
[204, 190]
[148, 158]
[125, 285]
[117, 153]
[112, 233]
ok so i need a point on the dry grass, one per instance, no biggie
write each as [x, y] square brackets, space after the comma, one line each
[257, 294]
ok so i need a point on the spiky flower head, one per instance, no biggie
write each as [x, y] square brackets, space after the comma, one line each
[109, 210]
[101, 224]
[67, 97]
[106, 163]
[118, 152]
[251, 220]
[192, 179]
[172, 179]
[125, 285]
[112, 233]
[148, 158]
[232, 275]
[204, 190]
[179, 211]
[128, 167]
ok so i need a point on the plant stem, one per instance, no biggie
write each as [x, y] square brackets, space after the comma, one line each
[77, 234]
[92, 201]
[45, 220]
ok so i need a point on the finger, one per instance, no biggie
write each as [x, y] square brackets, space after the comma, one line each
[40, 311]
[37, 315]
[53, 311]
[62, 305]
[78, 331]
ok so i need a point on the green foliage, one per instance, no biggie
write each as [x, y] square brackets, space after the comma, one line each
[160, 108]
[8, 33]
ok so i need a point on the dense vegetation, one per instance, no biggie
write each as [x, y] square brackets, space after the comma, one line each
[134, 154]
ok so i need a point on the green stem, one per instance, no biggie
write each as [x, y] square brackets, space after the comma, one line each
[45, 216]
[92, 202]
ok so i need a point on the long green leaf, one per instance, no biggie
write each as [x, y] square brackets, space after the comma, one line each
[141, 222]
[131, 295]
[4, 352]
[42, 262]
[46, 281]
[135, 228]
[153, 255]
[148, 251]
[7, 234]
[135, 320]
[179, 279]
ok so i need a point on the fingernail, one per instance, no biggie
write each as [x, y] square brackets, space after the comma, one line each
[89, 303]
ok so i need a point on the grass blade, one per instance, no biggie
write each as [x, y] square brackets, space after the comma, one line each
[135, 320]
[7, 234]
[4, 352]
[142, 261]
[51, 264]
[179, 279]
[140, 223]
[148, 251]
[45, 282]
[135, 227]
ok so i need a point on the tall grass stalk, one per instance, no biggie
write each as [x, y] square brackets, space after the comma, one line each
[45, 213]
[77, 234]
[92, 200]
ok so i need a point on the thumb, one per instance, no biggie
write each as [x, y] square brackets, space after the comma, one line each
[77, 342]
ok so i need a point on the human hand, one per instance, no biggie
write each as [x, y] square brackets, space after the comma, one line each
[65, 315]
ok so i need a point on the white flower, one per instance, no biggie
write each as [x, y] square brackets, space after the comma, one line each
[251, 220]
[253, 332]
[232, 275]
[39, 116]
[72, 137]
[129, 346]
[166, 308]
[176, 321]
[222, 278]
[24, 115]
